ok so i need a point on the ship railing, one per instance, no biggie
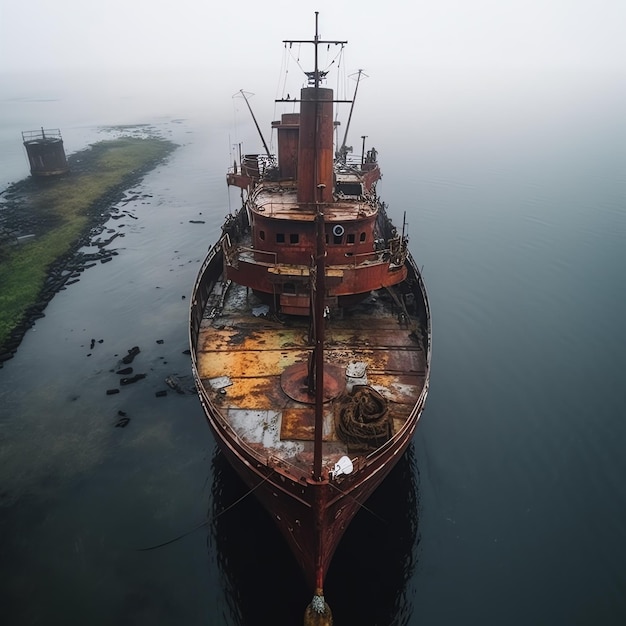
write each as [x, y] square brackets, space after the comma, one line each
[230, 251]
[266, 207]
[357, 162]
[205, 399]
[207, 278]
[394, 252]
[256, 166]
[41, 134]
[249, 254]
[415, 412]
[234, 254]
[301, 474]
[421, 400]
[376, 256]
[200, 293]
[289, 468]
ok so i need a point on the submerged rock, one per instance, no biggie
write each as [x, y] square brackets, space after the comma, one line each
[132, 353]
[132, 379]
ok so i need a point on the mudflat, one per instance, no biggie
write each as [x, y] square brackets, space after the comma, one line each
[45, 221]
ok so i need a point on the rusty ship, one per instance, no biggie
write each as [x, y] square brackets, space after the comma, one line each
[310, 331]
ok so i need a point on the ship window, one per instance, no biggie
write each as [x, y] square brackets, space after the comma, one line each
[337, 239]
[350, 238]
[280, 237]
[289, 288]
[349, 188]
[294, 238]
[362, 237]
[262, 235]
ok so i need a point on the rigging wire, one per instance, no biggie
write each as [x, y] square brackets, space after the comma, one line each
[334, 60]
[283, 74]
[289, 48]
[167, 543]
[245, 495]
[340, 76]
[324, 68]
[235, 120]
[348, 495]
[199, 526]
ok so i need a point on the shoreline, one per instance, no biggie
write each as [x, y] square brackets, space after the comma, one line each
[45, 222]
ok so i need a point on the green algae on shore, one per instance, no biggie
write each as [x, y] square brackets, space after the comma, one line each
[59, 213]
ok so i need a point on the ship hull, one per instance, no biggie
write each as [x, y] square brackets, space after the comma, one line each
[312, 538]
[312, 515]
[310, 333]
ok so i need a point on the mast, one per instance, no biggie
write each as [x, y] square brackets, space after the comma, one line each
[318, 612]
[320, 335]
[315, 137]
[320, 292]
[315, 175]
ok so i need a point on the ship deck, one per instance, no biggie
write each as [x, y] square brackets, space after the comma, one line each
[282, 203]
[242, 352]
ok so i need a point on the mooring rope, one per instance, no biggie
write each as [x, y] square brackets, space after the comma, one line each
[245, 495]
[166, 543]
[363, 418]
[199, 526]
[345, 493]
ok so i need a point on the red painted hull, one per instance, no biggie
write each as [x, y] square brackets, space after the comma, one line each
[313, 390]
[311, 515]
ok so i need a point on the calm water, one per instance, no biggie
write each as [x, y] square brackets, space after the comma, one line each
[511, 507]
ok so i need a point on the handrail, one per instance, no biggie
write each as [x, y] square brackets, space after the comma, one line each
[41, 134]
[421, 401]
[258, 251]
[351, 261]
[199, 298]
[377, 254]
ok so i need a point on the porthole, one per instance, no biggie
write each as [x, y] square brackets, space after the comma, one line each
[338, 230]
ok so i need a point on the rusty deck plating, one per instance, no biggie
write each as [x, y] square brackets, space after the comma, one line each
[243, 354]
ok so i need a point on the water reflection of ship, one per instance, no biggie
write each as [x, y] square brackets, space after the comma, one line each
[372, 567]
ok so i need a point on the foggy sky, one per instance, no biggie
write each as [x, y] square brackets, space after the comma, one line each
[392, 35]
